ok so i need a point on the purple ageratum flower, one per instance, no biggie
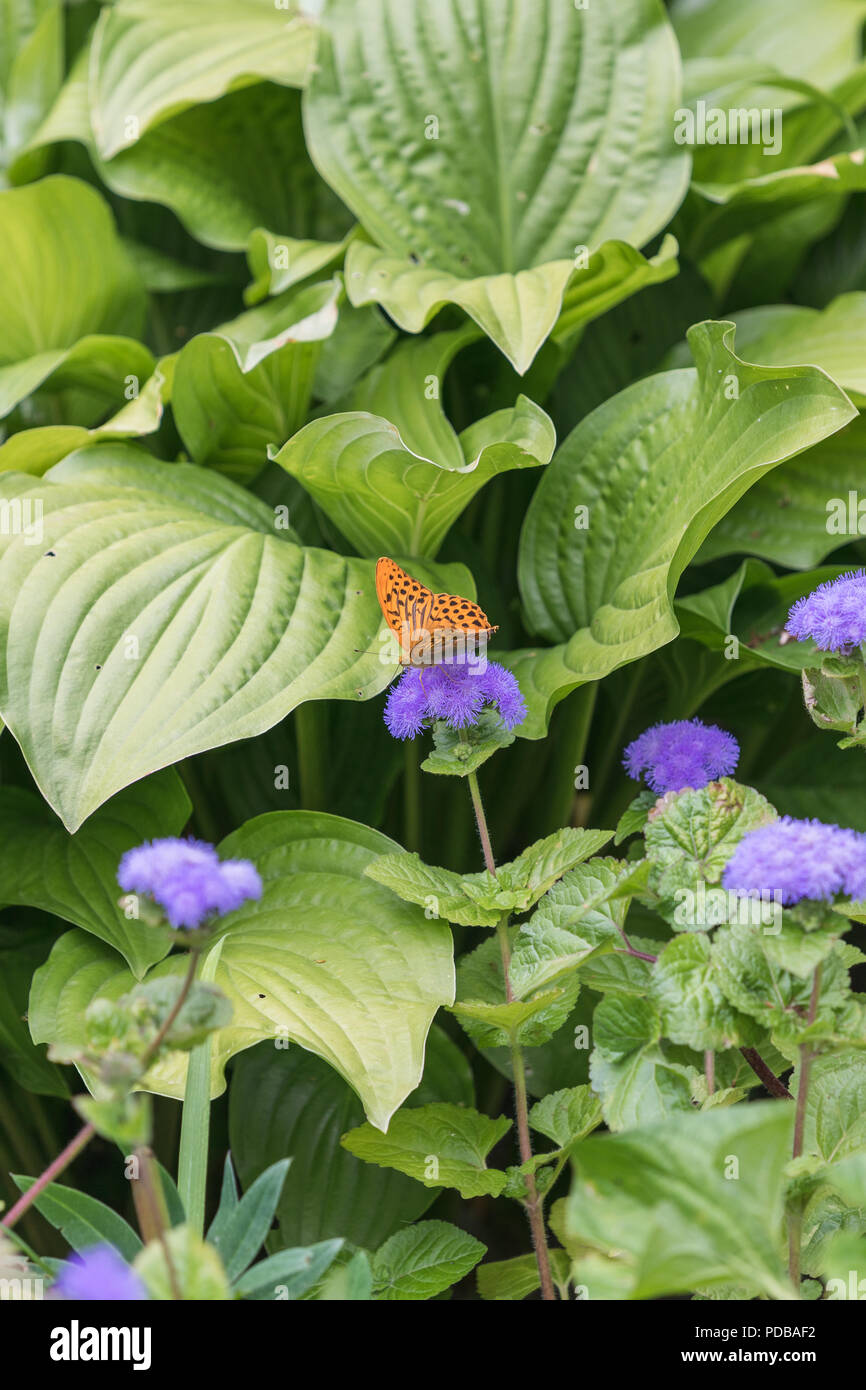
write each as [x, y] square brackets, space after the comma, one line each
[685, 753]
[799, 859]
[454, 692]
[188, 879]
[98, 1274]
[833, 615]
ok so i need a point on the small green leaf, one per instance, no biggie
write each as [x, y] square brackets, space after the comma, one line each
[567, 1116]
[423, 1261]
[438, 1145]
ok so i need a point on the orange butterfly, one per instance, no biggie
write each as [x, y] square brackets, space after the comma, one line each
[427, 625]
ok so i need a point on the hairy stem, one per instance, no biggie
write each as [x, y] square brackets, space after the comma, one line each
[795, 1211]
[763, 1073]
[533, 1203]
[54, 1169]
[172, 1014]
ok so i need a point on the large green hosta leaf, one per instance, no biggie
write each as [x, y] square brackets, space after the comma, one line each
[247, 386]
[31, 71]
[389, 469]
[786, 516]
[631, 494]
[164, 614]
[482, 144]
[73, 289]
[327, 959]
[225, 167]
[75, 876]
[307, 1107]
[153, 58]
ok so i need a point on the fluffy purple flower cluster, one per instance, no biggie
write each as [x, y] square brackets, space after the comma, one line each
[799, 859]
[454, 692]
[685, 753]
[833, 615]
[98, 1274]
[188, 879]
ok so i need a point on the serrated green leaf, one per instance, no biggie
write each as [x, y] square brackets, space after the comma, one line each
[566, 1116]
[423, 1261]
[689, 839]
[665, 1194]
[694, 1011]
[438, 1145]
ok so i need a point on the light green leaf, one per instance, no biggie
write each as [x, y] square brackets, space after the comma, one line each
[151, 59]
[31, 72]
[836, 1106]
[512, 1280]
[438, 1145]
[236, 395]
[35, 451]
[74, 285]
[517, 311]
[500, 235]
[663, 1195]
[479, 899]
[196, 1268]
[693, 1009]
[308, 1107]
[643, 497]
[279, 262]
[689, 841]
[390, 471]
[567, 1116]
[75, 876]
[144, 554]
[628, 1068]
[326, 959]
[423, 1261]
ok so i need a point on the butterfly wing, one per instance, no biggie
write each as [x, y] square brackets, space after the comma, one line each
[414, 614]
[405, 603]
[450, 613]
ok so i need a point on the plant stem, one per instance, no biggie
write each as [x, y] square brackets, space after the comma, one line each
[533, 1203]
[795, 1211]
[172, 1013]
[151, 1212]
[806, 1056]
[481, 822]
[762, 1071]
[54, 1169]
[710, 1070]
